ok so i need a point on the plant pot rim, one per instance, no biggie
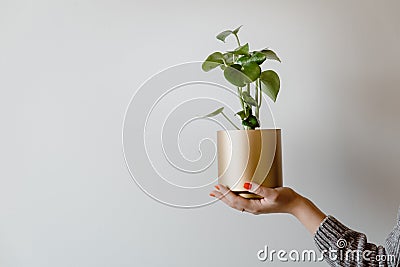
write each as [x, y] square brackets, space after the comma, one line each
[242, 130]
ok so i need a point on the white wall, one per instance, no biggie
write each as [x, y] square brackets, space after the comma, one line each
[69, 68]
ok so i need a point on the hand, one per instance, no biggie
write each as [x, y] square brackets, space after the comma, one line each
[276, 200]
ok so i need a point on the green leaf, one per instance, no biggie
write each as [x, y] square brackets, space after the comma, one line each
[241, 50]
[241, 75]
[269, 54]
[235, 31]
[243, 60]
[256, 57]
[214, 113]
[235, 76]
[252, 71]
[242, 114]
[228, 57]
[251, 122]
[212, 61]
[270, 84]
[249, 99]
[222, 36]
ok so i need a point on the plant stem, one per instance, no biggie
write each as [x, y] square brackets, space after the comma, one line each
[240, 97]
[248, 91]
[223, 60]
[259, 88]
[241, 100]
[257, 100]
[226, 117]
[237, 39]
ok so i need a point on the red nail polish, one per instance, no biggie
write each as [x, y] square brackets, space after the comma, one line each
[212, 195]
[247, 186]
[217, 187]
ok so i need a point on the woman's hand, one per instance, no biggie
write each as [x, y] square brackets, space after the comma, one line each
[276, 200]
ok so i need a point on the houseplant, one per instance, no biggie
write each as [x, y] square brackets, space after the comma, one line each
[250, 153]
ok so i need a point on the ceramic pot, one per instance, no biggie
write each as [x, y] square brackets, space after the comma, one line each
[249, 156]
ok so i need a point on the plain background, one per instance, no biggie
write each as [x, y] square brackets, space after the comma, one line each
[69, 68]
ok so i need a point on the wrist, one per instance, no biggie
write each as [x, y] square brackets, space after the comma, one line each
[298, 205]
[308, 214]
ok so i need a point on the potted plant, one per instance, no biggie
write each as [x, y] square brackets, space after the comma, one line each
[248, 153]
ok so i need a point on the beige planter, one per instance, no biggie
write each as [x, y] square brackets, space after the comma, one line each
[249, 156]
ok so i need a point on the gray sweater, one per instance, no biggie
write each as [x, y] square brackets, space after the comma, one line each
[342, 246]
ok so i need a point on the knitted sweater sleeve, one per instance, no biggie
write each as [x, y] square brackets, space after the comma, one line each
[342, 246]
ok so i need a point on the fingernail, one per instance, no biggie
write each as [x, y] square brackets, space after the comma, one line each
[212, 195]
[217, 187]
[247, 186]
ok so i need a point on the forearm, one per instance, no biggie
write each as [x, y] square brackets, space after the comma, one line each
[330, 235]
[307, 213]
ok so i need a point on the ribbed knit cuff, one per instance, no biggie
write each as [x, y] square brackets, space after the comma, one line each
[329, 231]
[332, 235]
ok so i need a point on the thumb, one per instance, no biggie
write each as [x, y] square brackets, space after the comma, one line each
[266, 192]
